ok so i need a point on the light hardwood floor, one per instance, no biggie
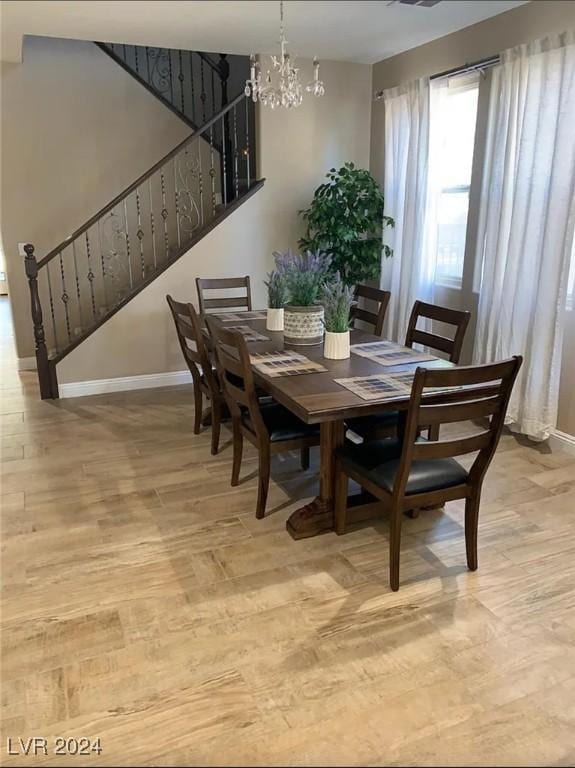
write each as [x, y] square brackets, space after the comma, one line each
[144, 604]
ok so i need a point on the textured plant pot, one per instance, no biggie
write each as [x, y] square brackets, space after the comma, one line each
[336, 345]
[275, 319]
[303, 325]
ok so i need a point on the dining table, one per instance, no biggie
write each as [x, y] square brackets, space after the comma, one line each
[318, 398]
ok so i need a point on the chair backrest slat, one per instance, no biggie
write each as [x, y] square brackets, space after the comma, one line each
[189, 328]
[367, 316]
[205, 287]
[235, 373]
[470, 401]
[456, 318]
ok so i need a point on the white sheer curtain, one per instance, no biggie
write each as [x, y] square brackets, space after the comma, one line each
[526, 224]
[408, 274]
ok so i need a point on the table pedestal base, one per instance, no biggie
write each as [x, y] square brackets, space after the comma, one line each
[311, 520]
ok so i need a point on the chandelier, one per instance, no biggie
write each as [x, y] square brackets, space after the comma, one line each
[289, 91]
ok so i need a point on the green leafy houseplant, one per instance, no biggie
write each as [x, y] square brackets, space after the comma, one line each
[345, 220]
[277, 290]
[337, 299]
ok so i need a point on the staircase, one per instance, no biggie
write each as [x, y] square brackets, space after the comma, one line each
[120, 250]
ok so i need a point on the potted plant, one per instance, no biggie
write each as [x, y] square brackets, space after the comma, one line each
[337, 299]
[304, 276]
[277, 298]
[345, 220]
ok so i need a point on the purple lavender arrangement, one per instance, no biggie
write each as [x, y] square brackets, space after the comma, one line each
[304, 274]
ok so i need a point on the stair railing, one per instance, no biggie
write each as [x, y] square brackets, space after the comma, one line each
[97, 269]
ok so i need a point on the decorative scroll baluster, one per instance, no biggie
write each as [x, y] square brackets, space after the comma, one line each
[91, 276]
[77, 283]
[164, 215]
[128, 252]
[52, 314]
[152, 227]
[42, 362]
[203, 91]
[247, 149]
[223, 159]
[65, 298]
[181, 79]
[212, 171]
[213, 112]
[140, 234]
[236, 155]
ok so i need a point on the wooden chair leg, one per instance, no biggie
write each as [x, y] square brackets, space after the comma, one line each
[198, 405]
[413, 513]
[433, 432]
[394, 547]
[471, 525]
[340, 500]
[263, 481]
[305, 457]
[238, 449]
[216, 425]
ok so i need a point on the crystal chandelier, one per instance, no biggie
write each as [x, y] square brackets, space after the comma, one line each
[289, 92]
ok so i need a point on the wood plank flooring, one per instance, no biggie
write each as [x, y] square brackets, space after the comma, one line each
[143, 603]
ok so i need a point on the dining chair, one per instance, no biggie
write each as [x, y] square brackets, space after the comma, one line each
[269, 426]
[210, 302]
[204, 377]
[418, 473]
[385, 424]
[376, 319]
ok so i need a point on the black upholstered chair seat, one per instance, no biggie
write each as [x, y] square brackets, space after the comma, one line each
[379, 461]
[281, 424]
[368, 425]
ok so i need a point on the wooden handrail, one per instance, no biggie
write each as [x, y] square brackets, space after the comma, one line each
[144, 177]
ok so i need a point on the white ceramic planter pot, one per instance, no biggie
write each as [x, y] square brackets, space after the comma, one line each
[275, 319]
[303, 325]
[336, 345]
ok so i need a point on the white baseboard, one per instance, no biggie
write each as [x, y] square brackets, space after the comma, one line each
[26, 363]
[562, 441]
[103, 386]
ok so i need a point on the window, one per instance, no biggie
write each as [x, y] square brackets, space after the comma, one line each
[453, 116]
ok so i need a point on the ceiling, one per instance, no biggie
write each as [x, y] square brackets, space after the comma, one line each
[351, 30]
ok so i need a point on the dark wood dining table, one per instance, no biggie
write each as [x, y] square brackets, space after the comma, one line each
[316, 398]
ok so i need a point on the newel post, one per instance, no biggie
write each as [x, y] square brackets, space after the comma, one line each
[42, 361]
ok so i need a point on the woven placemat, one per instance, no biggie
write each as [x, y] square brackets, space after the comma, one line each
[389, 353]
[249, 333]
[285, 363]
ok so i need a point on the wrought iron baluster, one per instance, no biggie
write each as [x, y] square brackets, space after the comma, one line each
[224, 162]
[77, 284]
[177, 202]
[65, 297]
[247, 149]
[165, 215]
[201, 182]
[192, 85]
[181, 79]
[203, 92]
[148, 64]
[103, 263]
[171, 76]
[213, 112]
[52, 313]
[128, 253]
[124, 52]
[140, 234]
[152, 227]
[212, 170]
[236, 172]
[137, 59]
[91, 276]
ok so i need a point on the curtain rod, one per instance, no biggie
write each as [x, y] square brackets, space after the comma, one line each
[490, 61]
